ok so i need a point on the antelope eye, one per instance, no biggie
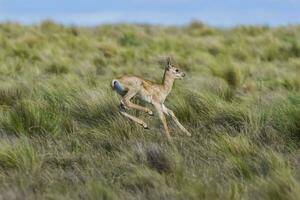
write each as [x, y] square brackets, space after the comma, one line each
[176, 70]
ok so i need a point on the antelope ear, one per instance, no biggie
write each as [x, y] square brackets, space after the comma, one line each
[169, 64]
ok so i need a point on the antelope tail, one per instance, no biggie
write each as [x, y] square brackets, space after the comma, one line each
[117, 86]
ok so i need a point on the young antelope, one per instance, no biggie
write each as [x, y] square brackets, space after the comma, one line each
[150, 92]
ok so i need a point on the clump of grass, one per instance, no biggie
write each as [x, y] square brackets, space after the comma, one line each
[130, 39]
[232, 116]
[108, 48]
[280, 185]
[28, 117]
[279, 50]
[225, 92]
[233, 76]
[144, 180]
[206, 189]
[202, 104]
[208, 109]
[191, 104]
[237, 146]
[100, 63]
[197, 28]
[251, 30]
[213, 47]
[21, 52]
[294, 49]
[230, 73]
[92, 107]
[291, 83]
[245, 160]
[159, 159]
[286, 119]
[19, 154]
[96, 190]
[182, 108]
[57, 68]
[9, 95]
[50, 26]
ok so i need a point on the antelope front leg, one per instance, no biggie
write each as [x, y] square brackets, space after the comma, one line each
[162, 117]
[171, 113]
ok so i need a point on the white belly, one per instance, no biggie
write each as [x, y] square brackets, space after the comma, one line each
[145, 97]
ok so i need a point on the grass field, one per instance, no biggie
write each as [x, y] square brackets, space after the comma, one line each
[63, 138]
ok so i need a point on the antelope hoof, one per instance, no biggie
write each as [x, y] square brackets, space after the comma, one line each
[150, 113]
[188, 133]
[145, 126]
[123, 107]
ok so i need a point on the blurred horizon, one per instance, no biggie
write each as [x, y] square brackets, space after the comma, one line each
[178, 12]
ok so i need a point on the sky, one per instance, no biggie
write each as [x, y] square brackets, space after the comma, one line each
[223, 13]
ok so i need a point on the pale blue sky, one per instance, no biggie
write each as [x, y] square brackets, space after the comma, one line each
[167, 12]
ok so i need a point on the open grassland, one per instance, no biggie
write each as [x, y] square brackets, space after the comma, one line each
[63, 138]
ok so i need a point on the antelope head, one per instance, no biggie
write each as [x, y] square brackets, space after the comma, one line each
[172, 71]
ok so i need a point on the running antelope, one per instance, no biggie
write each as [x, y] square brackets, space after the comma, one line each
[150, 92]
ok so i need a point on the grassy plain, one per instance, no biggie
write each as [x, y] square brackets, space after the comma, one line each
[63, 138]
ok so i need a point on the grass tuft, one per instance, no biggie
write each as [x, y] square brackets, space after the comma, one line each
[19, 154]
[159, 159]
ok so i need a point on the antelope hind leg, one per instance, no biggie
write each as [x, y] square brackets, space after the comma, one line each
[133, 118]
[126, 102]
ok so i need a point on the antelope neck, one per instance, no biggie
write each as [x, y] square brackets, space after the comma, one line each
[167, 82]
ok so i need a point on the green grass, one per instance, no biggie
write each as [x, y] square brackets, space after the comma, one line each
[63, 138]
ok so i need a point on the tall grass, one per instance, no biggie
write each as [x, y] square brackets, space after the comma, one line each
[19, 154]
[62, 136]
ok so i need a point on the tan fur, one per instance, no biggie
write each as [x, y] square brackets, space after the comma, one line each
[152, 93]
